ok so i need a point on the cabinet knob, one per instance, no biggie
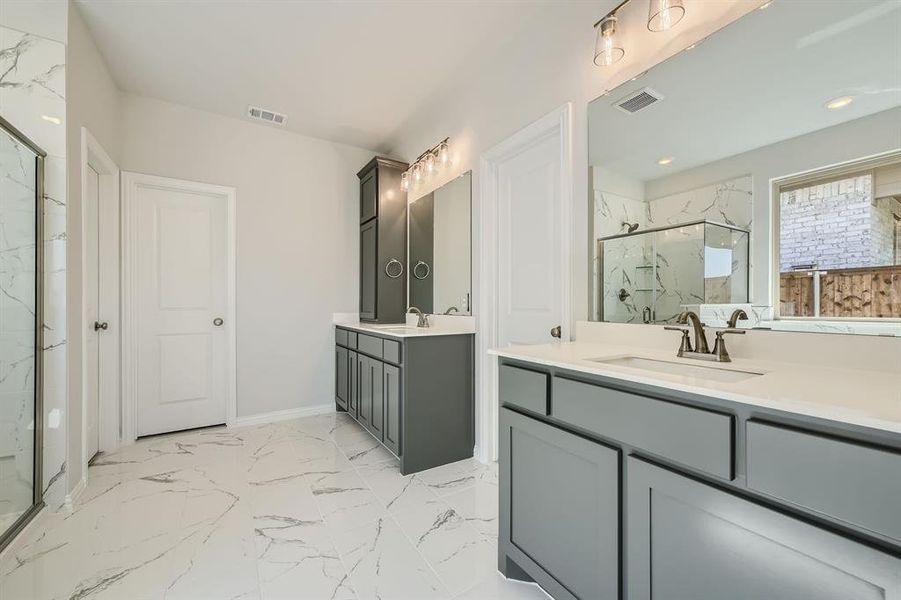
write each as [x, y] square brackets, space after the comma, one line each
[218, 322]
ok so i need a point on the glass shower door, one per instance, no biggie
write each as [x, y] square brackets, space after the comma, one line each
[21, 188]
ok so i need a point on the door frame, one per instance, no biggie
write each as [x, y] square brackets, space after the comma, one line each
[131, 182]
[556, 123]
[93, 156]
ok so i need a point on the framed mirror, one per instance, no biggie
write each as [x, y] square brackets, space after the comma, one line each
[21, 195]
[439, 268]
[759, 169]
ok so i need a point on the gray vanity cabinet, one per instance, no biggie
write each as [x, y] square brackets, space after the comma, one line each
[368, 270]
[708, 543]
[563, 526]
[392, 403]
[414, 395]
[343, 369]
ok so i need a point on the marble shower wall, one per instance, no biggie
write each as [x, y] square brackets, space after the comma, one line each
[680, 256]
[32, 87]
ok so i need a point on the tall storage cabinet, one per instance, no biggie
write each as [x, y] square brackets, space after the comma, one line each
[383, 241]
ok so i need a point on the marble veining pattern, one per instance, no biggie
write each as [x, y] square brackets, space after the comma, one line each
[297, 509]
[679, 259]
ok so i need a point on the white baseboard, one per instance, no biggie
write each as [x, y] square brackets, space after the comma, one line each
[284, 415]
[72, 496]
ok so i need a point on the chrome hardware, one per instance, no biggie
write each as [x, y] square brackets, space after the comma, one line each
[423, 318]
[646, 314]
[623, 294]
[400, 265]
[98, 325]
[451, 310]
[218, 322]
[416, 270]
[556, 332]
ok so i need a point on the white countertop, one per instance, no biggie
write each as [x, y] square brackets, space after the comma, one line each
[401, 330]
[865, 398]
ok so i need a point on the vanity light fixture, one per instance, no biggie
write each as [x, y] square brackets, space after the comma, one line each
[840, 102]
[428, 163]
[664, 14]
[607, 49]
[665, 160]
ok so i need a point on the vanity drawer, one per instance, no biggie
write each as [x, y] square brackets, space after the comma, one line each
[391, 351]
[352, 339]
[852, 482]
[523, 388]
[370, 345]
[341, 336]
[694, 437]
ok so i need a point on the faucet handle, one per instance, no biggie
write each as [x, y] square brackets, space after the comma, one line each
[720, 332]
[685, 344]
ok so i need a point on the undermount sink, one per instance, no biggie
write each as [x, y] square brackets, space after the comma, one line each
[721, 374]
[400, 329]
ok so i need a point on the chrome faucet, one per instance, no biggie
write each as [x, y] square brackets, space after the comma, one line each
[700, 349]
[423, 318]
[451, 310]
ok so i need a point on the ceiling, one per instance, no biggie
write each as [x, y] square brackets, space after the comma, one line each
[347, 71]
[762, 79]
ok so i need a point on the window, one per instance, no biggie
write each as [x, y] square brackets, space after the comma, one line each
[840, 244]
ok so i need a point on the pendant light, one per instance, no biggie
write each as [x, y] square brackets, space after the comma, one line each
[607, 50]
[664, 14]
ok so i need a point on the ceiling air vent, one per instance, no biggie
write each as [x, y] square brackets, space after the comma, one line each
[266, 115]
[639, 100]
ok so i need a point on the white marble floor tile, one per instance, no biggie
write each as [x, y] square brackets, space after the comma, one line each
[312, 509]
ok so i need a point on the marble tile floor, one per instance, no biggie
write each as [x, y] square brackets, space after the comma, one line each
[305, 509]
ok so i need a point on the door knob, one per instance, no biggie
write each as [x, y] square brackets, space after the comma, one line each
[555, 332]
[218, 322]
[98, 326]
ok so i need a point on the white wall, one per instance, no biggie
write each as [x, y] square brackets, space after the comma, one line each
[297, 238]
[92, 102]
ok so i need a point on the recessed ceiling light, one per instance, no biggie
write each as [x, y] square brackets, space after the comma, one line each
[840, 102]
[54, 120]
[665, 160]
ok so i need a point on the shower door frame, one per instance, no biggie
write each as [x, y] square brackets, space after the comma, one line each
[37, 478]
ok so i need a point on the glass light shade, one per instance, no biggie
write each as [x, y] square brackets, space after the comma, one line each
[664, 14]
[417, 173]
[444, 153]
[430, 163]
[607, 49]
[405, 181]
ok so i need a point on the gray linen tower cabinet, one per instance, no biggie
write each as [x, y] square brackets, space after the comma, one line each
[383, 242]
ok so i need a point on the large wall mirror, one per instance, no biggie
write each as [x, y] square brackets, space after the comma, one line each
[21, 192]
[439, 273]
[759, 169]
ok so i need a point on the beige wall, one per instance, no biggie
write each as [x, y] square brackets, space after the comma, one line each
[297, 238]
[92, 101]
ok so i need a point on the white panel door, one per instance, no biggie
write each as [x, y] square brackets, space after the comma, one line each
[91, 205]
[182, 302]
[530, 246]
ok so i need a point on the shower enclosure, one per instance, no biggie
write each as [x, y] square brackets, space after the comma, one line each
[21, 195]
[649, 276]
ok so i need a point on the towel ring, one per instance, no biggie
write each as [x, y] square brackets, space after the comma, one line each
[388, 268]
[416, 270]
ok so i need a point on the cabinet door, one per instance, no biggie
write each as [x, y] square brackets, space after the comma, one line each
[368, 269]
[559, 503]
[687, 540]
[369, 195]
[365, 384]
[353, 387]
[342, 378]
[377, 407]
[391, 397]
